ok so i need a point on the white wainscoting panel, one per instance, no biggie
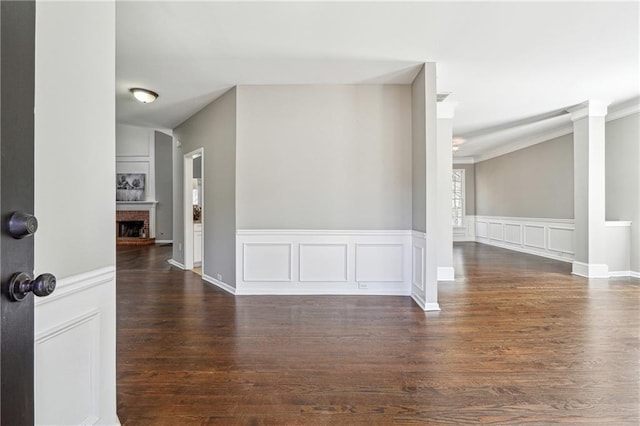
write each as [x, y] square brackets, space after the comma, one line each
[418, 265]
[496, 231]
[534, 236]
[560, 239]
[267, 262]
[78, 370]
[467, 232]
[379, 262]
[75, 351]
[552, 238]
[513, 233]
[482, 229]
[323, 262]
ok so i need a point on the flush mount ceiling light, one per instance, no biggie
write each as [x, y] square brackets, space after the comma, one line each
[458, 141]
[143, 95]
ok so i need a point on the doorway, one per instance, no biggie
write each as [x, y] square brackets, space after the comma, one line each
[193, 187]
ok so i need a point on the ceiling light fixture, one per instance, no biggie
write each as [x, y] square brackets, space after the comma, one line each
[143, 95]
[458, 141]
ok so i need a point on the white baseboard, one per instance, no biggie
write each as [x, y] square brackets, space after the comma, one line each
[425, 306]
[223, 286]
[176, 264]
[631, 274]
[593, 270]
[446, 273]
[164, 241]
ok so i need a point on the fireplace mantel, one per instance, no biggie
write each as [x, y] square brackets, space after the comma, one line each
[135, 204]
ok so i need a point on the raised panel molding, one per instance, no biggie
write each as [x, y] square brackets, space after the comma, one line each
[67, 359]
[534, 236]
[496, 231]
[467, 232]
[552, 238]
[482, 229]
[513, 233]
[418, 267]
[379, 262]
[560, 239]
[267, 262]
[324, 262]
[75, 351]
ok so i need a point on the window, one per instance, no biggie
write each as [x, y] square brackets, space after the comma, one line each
[458, 197]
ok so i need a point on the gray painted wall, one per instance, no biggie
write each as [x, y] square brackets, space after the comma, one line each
[623, 177]
[324, 157]
[197, 167]
[418, 157]
[469, 187]
[533, 182]
[214, 129]
[164, 186]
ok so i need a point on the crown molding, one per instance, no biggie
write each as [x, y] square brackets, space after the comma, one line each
[463, 160]
[634, 108]
[588, 109]
[533, 140]
[627, 109]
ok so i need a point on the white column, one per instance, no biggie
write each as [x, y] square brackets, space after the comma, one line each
[589, 189]
[445, 166]
[431, 167]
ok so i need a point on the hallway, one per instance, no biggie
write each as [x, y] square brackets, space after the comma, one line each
[518, 340]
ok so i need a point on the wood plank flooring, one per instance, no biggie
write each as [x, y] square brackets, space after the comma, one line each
[518, 341]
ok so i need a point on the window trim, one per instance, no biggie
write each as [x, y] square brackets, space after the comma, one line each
[463, 192]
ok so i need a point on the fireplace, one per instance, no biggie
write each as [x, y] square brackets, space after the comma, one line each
[132, 227]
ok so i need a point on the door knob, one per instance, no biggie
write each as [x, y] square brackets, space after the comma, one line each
[22, 225]
[21, 284]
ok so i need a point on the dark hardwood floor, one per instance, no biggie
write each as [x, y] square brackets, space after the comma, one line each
[519, 340]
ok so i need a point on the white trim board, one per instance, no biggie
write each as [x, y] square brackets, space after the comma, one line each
[77, 283]
[221, 285]
[632, 274]
[446, 273]
[176, 264]
[590, 270]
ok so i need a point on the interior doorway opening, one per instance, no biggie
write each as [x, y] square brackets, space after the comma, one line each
[193, 186]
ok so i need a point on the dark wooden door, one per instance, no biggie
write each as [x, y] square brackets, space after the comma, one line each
[17, 59]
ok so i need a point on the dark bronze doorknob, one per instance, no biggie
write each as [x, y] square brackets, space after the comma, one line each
[22, 225]
[21, 284]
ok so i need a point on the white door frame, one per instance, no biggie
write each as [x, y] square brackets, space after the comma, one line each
[187, 201]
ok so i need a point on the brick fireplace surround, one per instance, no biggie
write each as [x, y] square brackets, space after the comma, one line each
[130, 215]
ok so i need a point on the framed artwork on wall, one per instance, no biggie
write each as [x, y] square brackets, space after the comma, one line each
[130, 186]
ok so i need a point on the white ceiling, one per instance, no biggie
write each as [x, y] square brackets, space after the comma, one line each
[513, 68]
